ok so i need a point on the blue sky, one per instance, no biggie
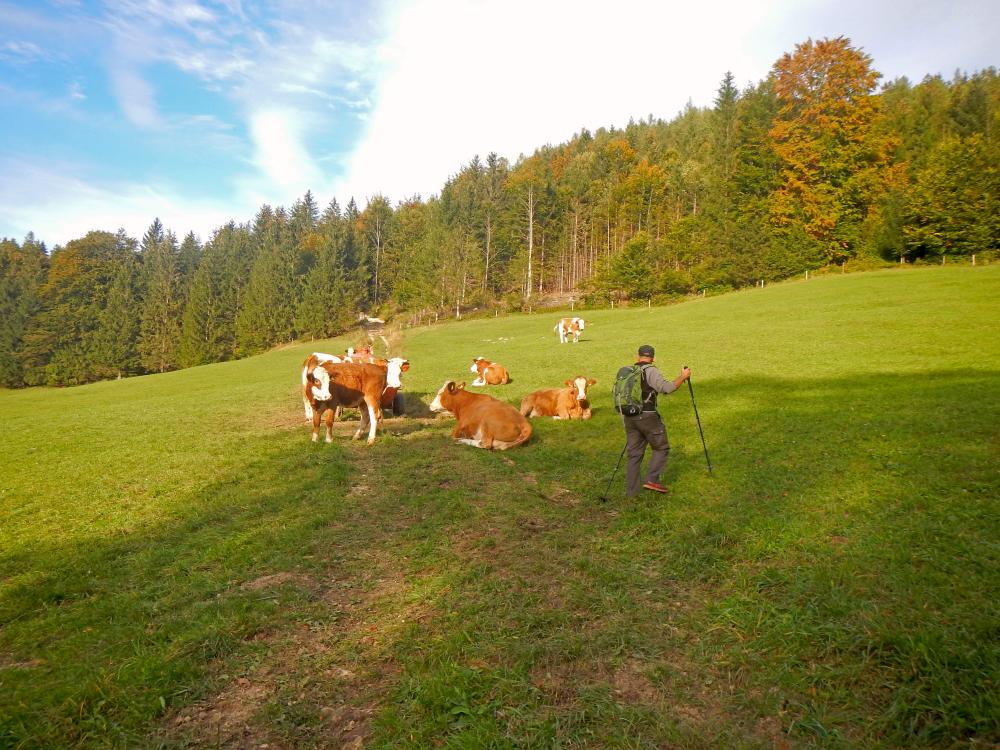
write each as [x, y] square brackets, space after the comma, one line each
[199, 111]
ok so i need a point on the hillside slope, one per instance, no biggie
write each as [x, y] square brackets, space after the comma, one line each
[179, 564]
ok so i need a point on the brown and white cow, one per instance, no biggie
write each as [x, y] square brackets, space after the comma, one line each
[331, 385]
[569, 327]
[489, 373]
[482, 421]
[560, 403]
[394, 368]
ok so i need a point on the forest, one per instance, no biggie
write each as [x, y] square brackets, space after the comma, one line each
[818, 165]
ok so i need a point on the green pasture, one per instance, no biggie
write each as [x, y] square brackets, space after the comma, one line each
[181, 567]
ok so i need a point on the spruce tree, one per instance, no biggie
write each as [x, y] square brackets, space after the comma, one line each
[22, 272]
[160, 326]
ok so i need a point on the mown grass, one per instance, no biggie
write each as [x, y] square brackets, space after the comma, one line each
[180, 566]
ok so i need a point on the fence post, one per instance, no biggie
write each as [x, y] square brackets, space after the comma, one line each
[973, 259]
[807, 274]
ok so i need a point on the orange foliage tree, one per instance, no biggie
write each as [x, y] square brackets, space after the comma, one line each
[835, 157]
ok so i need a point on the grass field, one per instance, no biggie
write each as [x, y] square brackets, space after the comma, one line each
[181, 567]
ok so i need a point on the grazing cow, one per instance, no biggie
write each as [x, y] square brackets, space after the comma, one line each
[567, 327]
[489, 373]
[331, 385]
[482, 420]
[560, 403]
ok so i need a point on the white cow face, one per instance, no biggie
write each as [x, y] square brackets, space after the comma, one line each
[436, 403]
[396, 367]
[580, 384]
[321, 387]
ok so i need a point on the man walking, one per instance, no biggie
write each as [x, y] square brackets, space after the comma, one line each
[646, 428]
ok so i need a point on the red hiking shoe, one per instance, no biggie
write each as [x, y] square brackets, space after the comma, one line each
[655, 487]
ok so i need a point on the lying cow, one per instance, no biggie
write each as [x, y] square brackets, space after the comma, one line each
[489, 373]
[391, 398]
[569, 327]
[331, 385]
[560, 403]
[482, 420]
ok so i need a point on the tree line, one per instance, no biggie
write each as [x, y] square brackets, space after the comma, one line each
[815, 165]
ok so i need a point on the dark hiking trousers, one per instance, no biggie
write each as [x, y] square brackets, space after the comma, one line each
[645, 429]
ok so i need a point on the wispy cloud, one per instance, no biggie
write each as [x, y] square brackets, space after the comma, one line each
[61, 202]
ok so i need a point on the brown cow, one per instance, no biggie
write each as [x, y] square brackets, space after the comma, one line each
[560, 403]
[330, 385]
[482, 420]
[489, 373]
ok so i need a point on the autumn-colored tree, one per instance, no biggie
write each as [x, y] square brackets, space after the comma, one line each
[833, 158]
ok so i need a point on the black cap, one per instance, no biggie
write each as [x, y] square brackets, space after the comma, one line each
[646, 351]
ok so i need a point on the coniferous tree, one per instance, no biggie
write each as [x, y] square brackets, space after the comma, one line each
[115, 346]
[22, 273]
[162, 305]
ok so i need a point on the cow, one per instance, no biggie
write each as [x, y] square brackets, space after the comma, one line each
[330, 385]
[567, 327]
[489, 373]
[482, 421]
[395, 367]
[560, 403]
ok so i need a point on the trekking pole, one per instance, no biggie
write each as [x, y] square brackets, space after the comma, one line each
[695, 405]
[604, 497]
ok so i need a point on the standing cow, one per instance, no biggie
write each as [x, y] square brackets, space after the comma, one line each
[482, 421]
[560, 403]
[328, 386]
[569, 327]
[489, 373]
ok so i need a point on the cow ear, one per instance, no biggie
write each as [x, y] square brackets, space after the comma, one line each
[591, 381]
[569, 383]
[461, 386]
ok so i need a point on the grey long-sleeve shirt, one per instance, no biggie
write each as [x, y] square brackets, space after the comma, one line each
[653, 382]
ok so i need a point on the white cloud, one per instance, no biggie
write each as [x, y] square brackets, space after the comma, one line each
[468, 78]
[279, 152]
[59, 203]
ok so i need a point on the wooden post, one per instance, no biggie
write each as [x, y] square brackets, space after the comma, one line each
[973, 259]
[702, 292]
[807, 274]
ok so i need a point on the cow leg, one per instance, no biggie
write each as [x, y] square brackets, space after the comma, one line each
[373, 418]
[315, 432]
[329, 424]
[308, 408]
[362, 423]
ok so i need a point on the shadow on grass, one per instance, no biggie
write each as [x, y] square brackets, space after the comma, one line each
[836, 573]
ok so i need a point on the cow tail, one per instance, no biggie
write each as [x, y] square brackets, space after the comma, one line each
[525, 434]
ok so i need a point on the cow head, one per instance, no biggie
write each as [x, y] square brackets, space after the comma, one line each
[319, 379]
[479, 363]
[580, 384]
[579, 323]
[396, 367]
[442, 400]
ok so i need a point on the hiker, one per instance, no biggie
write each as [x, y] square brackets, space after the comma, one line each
[647, 428]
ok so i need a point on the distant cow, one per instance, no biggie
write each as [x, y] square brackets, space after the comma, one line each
[482, 421]
[489, 373]
[330, 385]
[560, 403]
[569, 327]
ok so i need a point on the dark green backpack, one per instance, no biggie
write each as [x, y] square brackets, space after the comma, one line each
[628, 390]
